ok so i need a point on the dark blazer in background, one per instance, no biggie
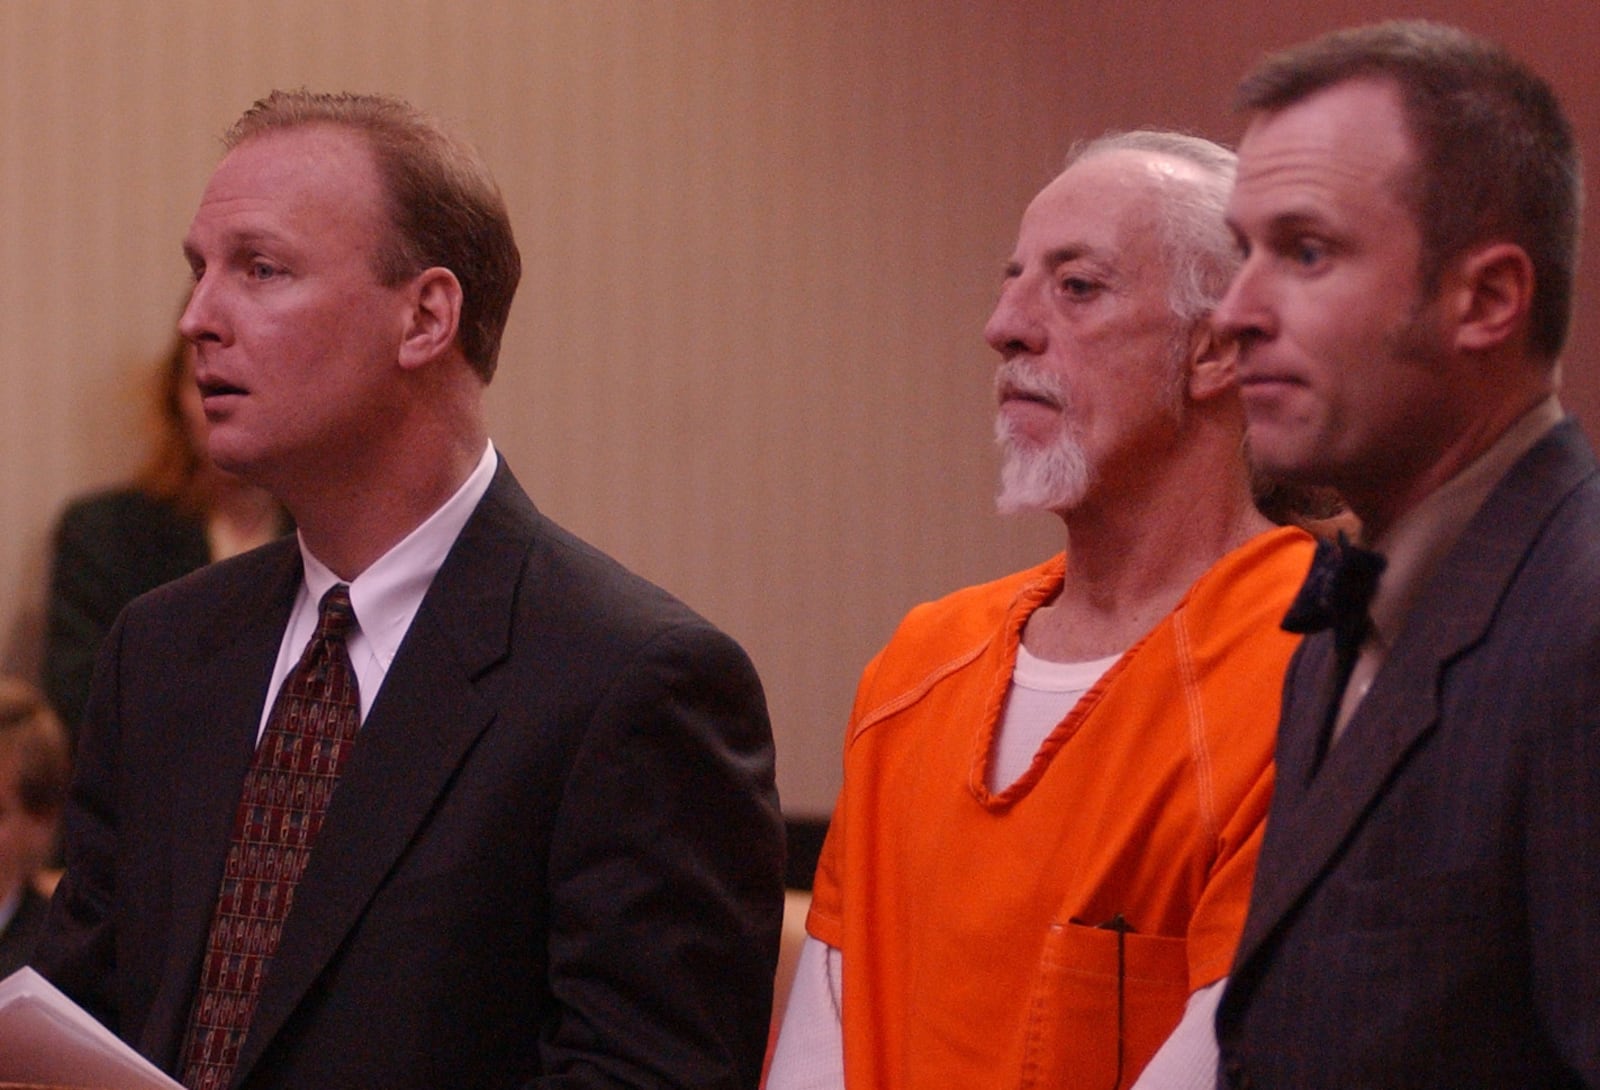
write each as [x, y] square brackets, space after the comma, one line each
[553, 859]
[109, 548]
[1426, 912]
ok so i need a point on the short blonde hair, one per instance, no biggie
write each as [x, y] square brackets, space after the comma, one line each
[444, 205]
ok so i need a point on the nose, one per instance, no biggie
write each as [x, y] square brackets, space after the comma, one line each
[1243, 314]
[200, 320]
[1014, 329]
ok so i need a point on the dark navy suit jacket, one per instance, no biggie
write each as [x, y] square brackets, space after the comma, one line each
[553, 859]
[21, 933]
[1426, 910]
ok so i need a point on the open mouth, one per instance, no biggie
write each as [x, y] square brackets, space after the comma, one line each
[210, 388]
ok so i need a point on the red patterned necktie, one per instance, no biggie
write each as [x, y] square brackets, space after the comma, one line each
[296, 767]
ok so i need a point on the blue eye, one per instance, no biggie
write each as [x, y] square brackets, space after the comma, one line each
[1309, 252]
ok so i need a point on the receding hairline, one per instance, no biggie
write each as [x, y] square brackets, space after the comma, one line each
[1147, 171]
[1183, 182]
[1149, 166]
[1465, 102]
[352, 136]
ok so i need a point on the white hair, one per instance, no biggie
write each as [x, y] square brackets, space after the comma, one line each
[1200, 250]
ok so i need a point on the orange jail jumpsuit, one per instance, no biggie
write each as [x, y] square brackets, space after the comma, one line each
[974, 926]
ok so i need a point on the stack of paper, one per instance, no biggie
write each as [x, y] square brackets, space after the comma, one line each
[46, 1038]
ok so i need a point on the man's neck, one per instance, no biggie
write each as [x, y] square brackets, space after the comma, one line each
[1128, 569]
[350, 522]
[1379, 508]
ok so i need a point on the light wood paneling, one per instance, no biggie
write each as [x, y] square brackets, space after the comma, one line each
[761, 239]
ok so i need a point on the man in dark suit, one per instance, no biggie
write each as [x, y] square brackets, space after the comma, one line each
[552, 856]
[1426, 910]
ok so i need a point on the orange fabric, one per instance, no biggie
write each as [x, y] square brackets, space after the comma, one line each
[967, 920]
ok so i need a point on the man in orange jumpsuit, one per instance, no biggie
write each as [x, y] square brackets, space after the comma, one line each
[1055, 783]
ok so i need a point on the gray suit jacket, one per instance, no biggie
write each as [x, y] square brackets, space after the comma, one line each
[1426, 910]
[553, 859]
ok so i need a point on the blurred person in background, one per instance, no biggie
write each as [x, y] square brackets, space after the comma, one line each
[33, 788]
[179, 513]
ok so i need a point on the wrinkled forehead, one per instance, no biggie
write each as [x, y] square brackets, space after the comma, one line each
[1107, 206]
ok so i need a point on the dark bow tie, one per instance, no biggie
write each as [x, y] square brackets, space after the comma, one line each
[1337, 592]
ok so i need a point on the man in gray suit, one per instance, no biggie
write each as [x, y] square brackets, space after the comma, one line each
[1427, 905]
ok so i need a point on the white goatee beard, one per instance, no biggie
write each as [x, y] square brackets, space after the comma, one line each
[1052, 477]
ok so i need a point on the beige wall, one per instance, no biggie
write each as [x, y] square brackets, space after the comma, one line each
[760, 239]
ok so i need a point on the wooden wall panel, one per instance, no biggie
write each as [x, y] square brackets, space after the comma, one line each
[761, 239]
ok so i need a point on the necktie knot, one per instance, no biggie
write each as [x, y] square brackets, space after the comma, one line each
[1337, 593]
[335, 615]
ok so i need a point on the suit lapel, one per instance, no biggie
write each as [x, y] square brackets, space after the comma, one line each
[425, 719]
[235, 655]
[1313, 817]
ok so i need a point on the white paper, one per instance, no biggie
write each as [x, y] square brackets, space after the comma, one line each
[47, 1038]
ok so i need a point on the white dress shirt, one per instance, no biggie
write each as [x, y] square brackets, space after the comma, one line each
[385, 597]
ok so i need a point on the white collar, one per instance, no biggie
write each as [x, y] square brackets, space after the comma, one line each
[388, 593]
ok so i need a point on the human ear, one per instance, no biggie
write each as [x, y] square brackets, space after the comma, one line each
[433, 318]
[1211, 361]
[1491, 294]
